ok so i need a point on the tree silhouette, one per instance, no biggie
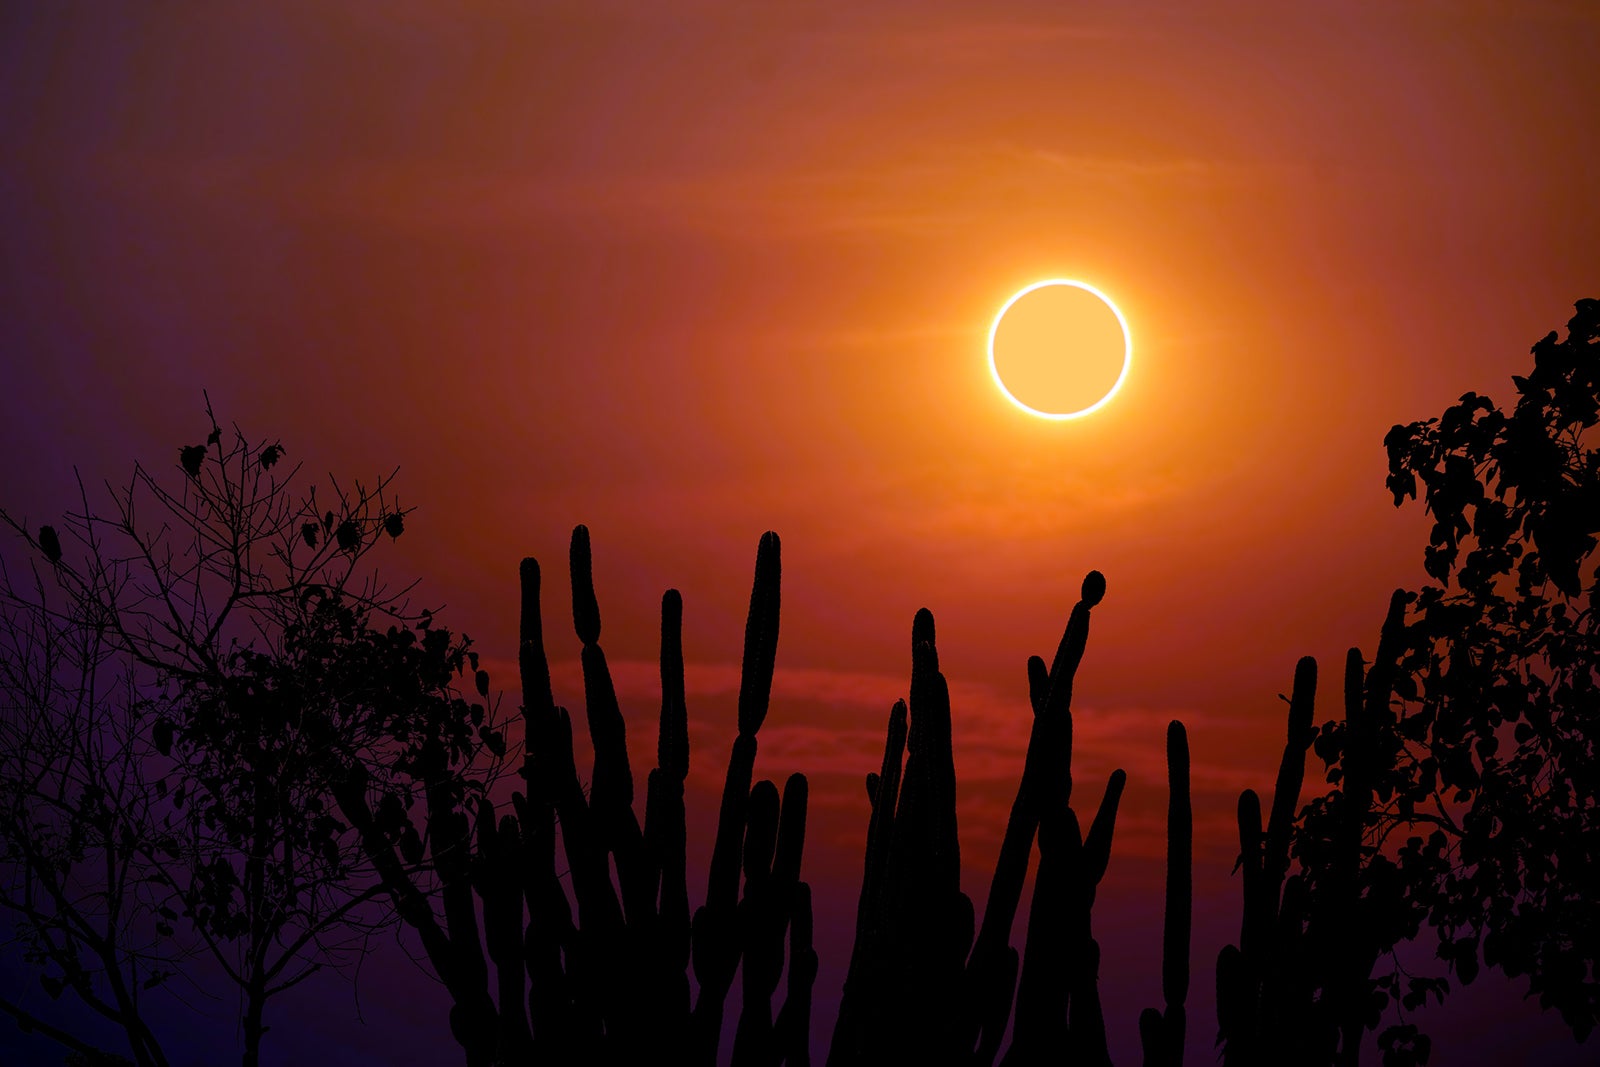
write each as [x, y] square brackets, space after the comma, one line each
[169, 703]
[1463, 774]
[220, 739]
[587, 967]
[1493, 747]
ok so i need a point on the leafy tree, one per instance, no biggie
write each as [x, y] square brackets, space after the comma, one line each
[178, 690]
[1469, 775]
[1501, 706]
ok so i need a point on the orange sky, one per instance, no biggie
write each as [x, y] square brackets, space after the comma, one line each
[688, 276]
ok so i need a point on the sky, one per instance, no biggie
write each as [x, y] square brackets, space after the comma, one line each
[689, 272]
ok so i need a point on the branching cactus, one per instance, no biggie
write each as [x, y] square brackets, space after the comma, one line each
[902, 1002]
[990, 982]
[919, 989]
[594, 970]
[1058, 1005]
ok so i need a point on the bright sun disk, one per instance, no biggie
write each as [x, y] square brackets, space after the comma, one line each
[1059, 349]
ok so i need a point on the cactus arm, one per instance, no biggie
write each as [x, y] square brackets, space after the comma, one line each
[861, 985]
[1176, 934]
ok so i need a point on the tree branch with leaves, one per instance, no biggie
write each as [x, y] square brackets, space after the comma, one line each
[178, 665]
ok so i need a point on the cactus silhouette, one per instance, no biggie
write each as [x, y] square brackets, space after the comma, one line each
[919, 988]
[1162, 1032]
[1297, 988]
[716, 928]
[1263, 985]
[593, 967]
[1348, 908]
[914, 925]
[1061, 955]
[600, 975]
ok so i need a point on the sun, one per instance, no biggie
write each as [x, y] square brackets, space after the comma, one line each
[1060, 349]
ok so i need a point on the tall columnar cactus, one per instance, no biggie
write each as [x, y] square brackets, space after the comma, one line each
[501, 882]
[1162, 1032]
[1047, 771]
[773, 846]
[716, 925]
[1058, 1012]
[623, 970]
[793, 1028]
[473, 1021]
[666, 832]
[1262, 985]
[600, 976]
[929, 929]
[1353, 937]
[611, 787]
[908, 996]
[914, 925]
[1297, 986]
[561, 1022]
[859, 1006]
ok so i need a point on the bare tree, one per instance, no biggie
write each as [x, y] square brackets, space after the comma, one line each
[175, 678]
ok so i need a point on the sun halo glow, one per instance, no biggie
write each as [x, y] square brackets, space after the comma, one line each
[1105, 398]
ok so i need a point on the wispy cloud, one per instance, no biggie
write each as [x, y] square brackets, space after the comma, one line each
[823, 716]
[831, 724]
[730, 201]
[1175, 169]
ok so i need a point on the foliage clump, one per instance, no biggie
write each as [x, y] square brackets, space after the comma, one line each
[1499, 683]
[1482, 759]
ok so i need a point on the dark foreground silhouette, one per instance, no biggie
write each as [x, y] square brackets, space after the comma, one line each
[1461, 795]
[609, 983]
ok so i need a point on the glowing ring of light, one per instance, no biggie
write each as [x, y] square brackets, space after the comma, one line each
[1127, 350]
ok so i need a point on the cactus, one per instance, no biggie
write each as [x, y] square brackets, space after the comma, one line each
[1058, 1010]
[472, 1019]
[716, 940]
[665, 832]
[864, 981]
[600, 976]
[611, 789]
[930, 920]
[598, 971]
[1049, 759]
[914, 925]
[773, 847]
[793, 1028]
[1255, 1016]
[556, 1018]
[1350, 916]
[1296, 987]
[1162, 1032]
[472, 1013]
[907, 996]
[499, 881]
